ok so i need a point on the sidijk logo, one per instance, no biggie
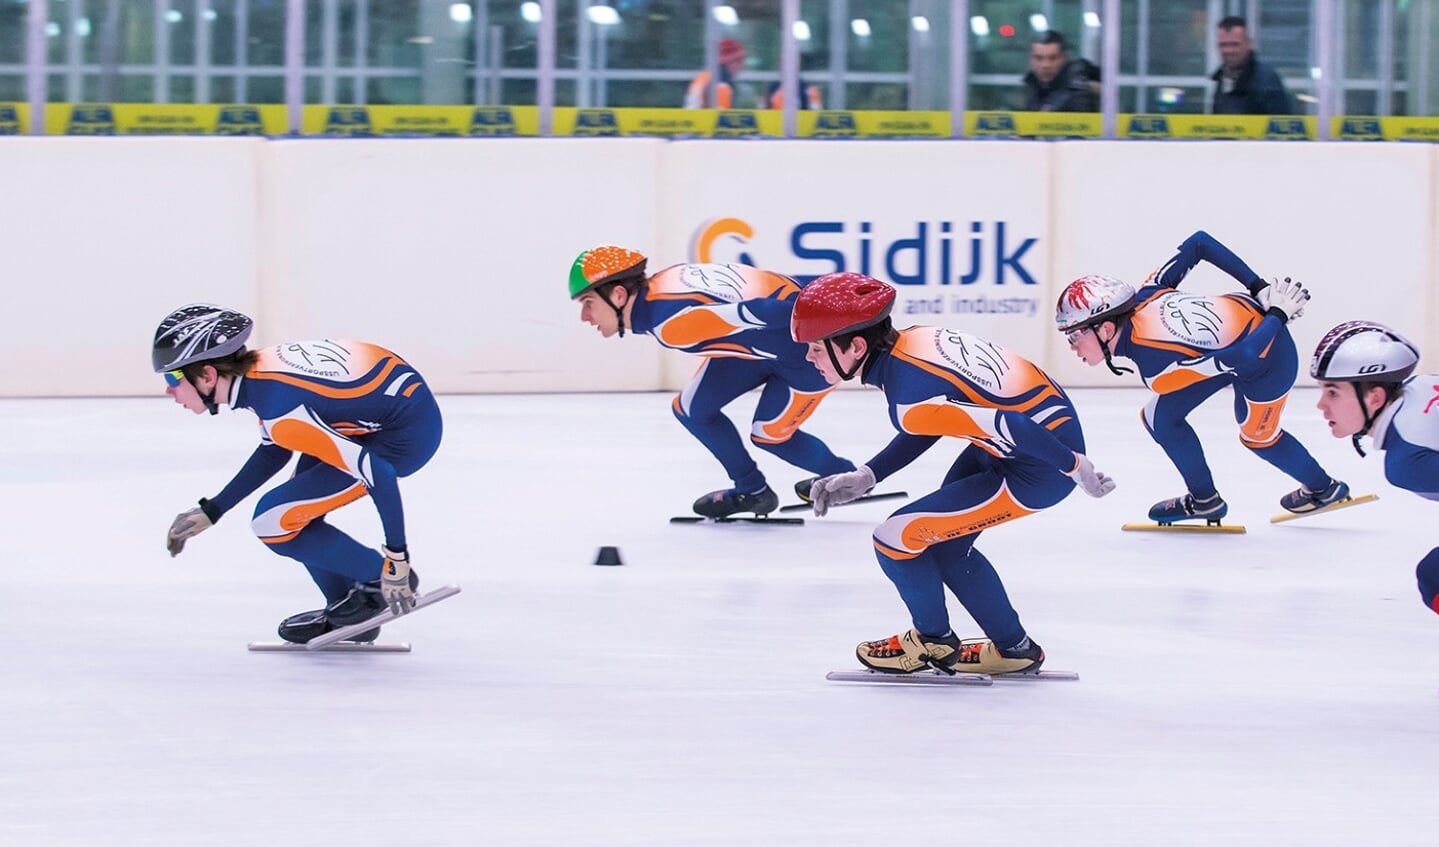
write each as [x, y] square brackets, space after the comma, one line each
[919, 253]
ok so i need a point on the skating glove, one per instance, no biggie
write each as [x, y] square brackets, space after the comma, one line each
[1285, 300]
[1094, 483]
[395, 581]
[187, 525]
[838, 489]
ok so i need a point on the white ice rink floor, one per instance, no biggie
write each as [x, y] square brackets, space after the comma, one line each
[1274, 688]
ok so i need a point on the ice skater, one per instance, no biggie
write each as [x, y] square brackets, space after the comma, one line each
[737, 318]
[1367, 387]
[1024, 453]
[1189, 346]
[359, 416]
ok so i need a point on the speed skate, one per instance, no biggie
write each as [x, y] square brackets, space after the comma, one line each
[342, 647]
[935, 677]
[1235, 528]
[1342, 504]
[335, 641]
[320, 642]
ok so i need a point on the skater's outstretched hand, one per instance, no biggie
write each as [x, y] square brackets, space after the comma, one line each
[1094, 483]
[838, 489]
[395, 581]
[186, 525]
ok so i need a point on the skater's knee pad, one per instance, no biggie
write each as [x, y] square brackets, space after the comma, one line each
[276, 523]
[1428, 576]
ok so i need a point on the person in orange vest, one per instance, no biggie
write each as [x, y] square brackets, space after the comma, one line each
[720, 95]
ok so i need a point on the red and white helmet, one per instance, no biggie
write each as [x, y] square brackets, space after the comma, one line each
[1091, 299]
[838, 303]
[1363, 351]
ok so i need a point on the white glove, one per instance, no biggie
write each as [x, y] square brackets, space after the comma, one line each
[395, 582]
[838, 489]
[1094, 483]
[1288, 296]
[187, 525]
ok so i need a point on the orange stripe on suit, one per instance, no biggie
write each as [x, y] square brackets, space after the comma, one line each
[779, 429]
[905, 536]
[299, 515]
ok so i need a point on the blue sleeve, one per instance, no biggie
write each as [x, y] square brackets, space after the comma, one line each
[1031, 439]
[772, 312]
[1413, 468]
[385, 492]
[1203, 247]
[901, 450]
[265, 462]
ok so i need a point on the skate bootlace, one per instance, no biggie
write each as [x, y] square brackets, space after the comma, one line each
[885, 648]
[969, 653]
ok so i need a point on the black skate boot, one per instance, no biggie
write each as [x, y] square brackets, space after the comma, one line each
[1303, 500]
[802, 488]
[722, 504]
[1166, 512]
[363, 602]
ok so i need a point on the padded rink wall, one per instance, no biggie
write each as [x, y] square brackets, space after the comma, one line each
[454, 252]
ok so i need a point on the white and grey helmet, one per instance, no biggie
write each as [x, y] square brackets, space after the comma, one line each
[1363, 351]
[197, 333]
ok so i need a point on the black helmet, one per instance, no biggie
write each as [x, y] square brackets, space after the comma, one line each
[197, 333]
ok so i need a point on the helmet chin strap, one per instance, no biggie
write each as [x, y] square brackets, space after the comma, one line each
[619, 315]
[1369, 418]
[208, 399]
[844, 375]
[1108, 358]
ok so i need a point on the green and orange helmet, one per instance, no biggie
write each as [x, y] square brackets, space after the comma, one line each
[603, 265]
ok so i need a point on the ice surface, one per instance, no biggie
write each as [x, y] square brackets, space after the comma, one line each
[1279, 687]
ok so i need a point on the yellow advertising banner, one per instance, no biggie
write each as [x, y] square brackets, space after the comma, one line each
[14, 118]
[480, 121]
[426, 121]
[669, 123]
[1193, 127]
[163, 119]
[1033, 125]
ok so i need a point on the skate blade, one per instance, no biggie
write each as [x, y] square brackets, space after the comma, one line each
[929, 677]
[759, 519]
[1037, 676]
[331, 639]
[868, 498]
[1342, 504]
[343, 647]
[1235, 528]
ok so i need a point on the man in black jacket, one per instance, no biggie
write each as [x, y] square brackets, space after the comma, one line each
[1055, 83]
[1243, 84]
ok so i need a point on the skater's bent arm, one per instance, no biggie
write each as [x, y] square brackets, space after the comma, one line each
[901, 450]
[1413, 469]
[265, 462]
[1032, 439]
[1203, 247]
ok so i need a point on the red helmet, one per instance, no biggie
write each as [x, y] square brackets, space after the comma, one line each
[838, 303]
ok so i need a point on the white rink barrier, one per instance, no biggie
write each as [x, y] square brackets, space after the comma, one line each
[455, 252]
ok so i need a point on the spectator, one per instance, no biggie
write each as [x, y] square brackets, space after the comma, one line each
[720, 95]
[1056, 83]
[1243, 85]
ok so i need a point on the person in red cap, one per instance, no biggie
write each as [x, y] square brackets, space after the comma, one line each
[1025, 453]
[721, 94]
